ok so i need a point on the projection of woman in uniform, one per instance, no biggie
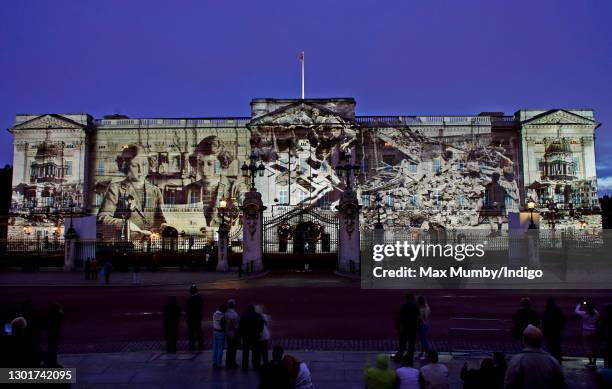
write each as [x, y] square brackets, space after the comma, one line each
[210, 162]
[133, 205]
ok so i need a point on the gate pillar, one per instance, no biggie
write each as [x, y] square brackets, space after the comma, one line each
[252, 232]
[70, 240]
[349, 249]
[222, 263]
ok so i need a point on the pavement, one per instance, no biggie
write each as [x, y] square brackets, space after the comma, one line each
[329, 369]
[122, 279]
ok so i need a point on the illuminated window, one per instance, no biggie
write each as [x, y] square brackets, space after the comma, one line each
[283, 196]
[413, 199]
[389, 200]
[437, 165]
[460, 166]
[365, 200]
[303, 196]
[68, 168]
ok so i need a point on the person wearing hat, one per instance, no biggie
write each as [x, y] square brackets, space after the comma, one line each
[195, 306]
[133, 205]
[534, 367]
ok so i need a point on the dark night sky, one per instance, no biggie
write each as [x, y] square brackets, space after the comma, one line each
[200, 58]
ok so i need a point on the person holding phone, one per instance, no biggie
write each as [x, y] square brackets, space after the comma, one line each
[586, 310]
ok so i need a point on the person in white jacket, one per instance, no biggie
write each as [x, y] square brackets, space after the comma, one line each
[264, 338]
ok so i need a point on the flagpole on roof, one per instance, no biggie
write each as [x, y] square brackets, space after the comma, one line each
[302, 61]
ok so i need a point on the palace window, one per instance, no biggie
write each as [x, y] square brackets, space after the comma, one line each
[437, 167]
[436, 198]
[460, 165]
[389, 200]
[364, 166]
[100, 167]
[303, 196]
[283, 197]
[68, 168]
[412, 199]
[413, 167]
[194, 199]
[324, 167]
[169, 198]
[98, 200]
[388, 161]
[461, 199]
[365, 200]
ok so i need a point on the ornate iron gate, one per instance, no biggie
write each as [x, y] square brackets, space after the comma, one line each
[299, 238]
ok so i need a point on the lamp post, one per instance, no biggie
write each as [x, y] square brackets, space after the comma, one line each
[347, 167]
[252, 168]
[223, 205]
[378, 201]
[531, 206]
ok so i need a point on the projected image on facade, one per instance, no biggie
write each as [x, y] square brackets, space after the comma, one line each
[150, 177]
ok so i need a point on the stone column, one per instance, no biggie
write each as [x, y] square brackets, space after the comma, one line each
[252, 232]
[70, 239]
[349, 249]
[222, 250]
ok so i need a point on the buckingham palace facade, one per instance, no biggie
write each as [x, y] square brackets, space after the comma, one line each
[144, 175]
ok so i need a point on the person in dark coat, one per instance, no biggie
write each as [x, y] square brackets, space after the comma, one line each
[250, 327]
[87, 269]
[108, 269]
[523, 317]
[55, 320]
[552, 328]
[483, 378]
[172, 317]
[33, 328]
[195, 306]
[407, 325]
[275, 375]
[605, 332]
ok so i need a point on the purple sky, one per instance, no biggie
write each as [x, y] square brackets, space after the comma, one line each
[200, 58]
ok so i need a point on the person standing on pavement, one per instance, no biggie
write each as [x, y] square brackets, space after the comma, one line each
[552, 328]
[136, 272]
[108, 268]
[407, 325]
[523, 317]
[590, 317]
[218, 336]
[231, 334]
[87, 269]
[250, 327]
[434, 375]
[33, 329]
[195, 306]
[533, 368]
[606, 335]
[172, 317]
[424, 315]
[54, 321]
[264, 338]
[95, 267]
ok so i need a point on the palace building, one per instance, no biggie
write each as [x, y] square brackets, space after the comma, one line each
[142, 176]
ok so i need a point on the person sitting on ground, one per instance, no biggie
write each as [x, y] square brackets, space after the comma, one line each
[434, 375]
[407, 375]
[534, 367]
[299, 375]
[275, 375]
[380, 377]
[483, 378]
[524, 316]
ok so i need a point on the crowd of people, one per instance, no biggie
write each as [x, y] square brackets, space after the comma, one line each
[537, 365]
[92, 270]
[249, 331]
[22, 341]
